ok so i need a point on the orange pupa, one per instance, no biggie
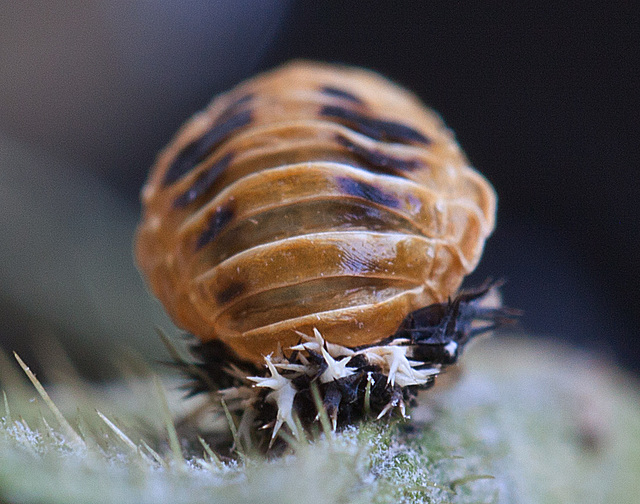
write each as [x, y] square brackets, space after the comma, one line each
[324, 212]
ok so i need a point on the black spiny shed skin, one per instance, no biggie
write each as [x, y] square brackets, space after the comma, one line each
[429, 331]
[210, 372]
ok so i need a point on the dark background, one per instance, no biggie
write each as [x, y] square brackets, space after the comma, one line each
[543, 99]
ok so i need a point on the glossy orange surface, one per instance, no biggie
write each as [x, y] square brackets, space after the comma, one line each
[310, 196]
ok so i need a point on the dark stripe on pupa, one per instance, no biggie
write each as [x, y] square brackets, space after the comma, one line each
[340, 93]
[204, 182]
[233, 108]
[218, 221]
[196, 151]
[377, 160]
[231, 291]
[377, 129]
[366, 191]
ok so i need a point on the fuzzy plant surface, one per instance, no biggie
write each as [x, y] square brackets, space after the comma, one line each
[527, 422]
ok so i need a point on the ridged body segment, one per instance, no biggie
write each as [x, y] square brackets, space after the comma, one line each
[312, 196]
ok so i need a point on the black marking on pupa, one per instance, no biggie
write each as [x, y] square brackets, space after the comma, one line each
[366, 191]
[377, 129]
[341, 93]
[197, 151]
[377, 160]
[230, 292]
[204, 182]
[218, 221]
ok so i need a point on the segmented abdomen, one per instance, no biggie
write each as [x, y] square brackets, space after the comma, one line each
[310, 196]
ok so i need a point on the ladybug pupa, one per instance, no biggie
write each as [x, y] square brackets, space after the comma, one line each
[311, 227]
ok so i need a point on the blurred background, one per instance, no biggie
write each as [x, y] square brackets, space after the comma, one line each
[544, 100]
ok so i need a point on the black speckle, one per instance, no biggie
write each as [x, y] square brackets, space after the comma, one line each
[367, 191]
[204, 182]
[196, 151]
[378, 130]
[231, 291]
[221, 217]
[377, 160]
[340, 93]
